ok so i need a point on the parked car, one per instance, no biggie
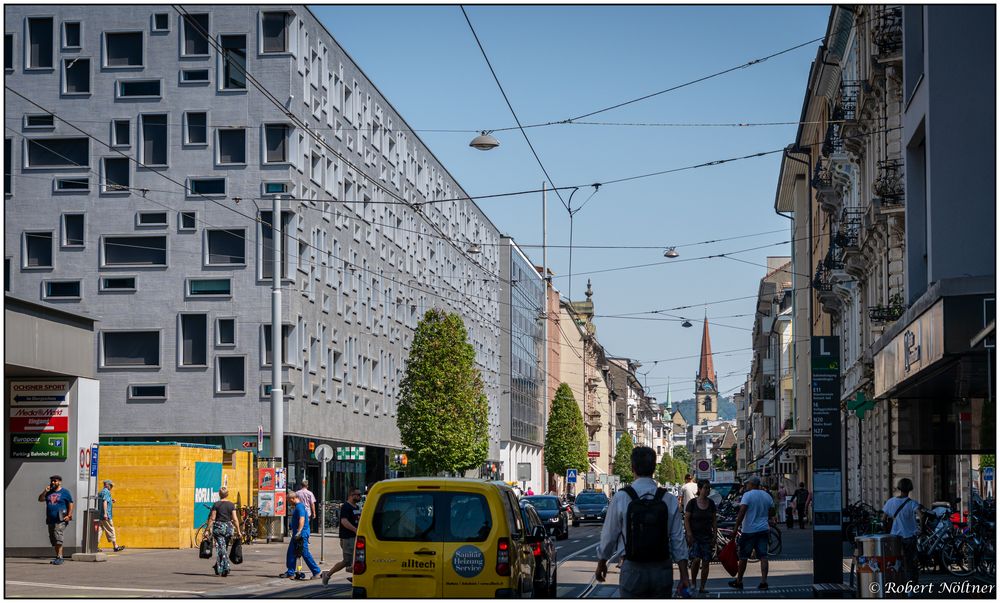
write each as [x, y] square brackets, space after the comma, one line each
[543, 549]
[553, 514]
[591, 505]
[442, 538]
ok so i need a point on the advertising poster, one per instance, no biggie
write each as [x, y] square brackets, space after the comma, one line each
[279, 503]
[207, 481]
[265, 504]
[265, 480]
[39, 420]
[279, 481]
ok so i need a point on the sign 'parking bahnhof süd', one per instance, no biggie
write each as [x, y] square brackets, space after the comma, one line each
[39, 419]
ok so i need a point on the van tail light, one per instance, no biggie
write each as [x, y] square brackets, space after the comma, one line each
[536, 548]
[360, 564]
[503, 557]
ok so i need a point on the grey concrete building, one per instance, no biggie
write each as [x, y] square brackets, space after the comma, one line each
[522, 344]
[144, 148]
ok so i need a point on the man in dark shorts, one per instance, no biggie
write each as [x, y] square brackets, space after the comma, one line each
[350, 515]
[58, 513]
[753, 522]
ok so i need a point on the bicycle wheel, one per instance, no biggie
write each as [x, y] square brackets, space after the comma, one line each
[958, 557]
[201, 534]
[774, 541]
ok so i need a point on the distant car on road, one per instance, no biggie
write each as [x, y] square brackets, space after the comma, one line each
[553, 514]
[590, 506]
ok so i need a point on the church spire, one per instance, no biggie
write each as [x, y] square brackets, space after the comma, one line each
[706, 370]
[670, 403]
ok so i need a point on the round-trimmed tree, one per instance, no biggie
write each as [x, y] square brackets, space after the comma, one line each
[443, 414]
[565, 435]
[622, 467]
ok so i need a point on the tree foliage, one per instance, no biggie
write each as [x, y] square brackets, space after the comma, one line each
[726, 462]
[565, 436]
[443, 413]
[682, 453]
[665, 470]
[622, 467]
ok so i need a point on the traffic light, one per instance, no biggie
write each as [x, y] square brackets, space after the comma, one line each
[403, 460]
[312, 449]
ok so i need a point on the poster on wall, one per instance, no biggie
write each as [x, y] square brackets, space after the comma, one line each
[207, 481]
[39, 419]
[265, 479]
[265, 504]
[279, 503]
[279, 481]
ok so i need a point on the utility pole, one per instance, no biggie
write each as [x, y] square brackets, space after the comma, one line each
[545, 323]
[277, 396]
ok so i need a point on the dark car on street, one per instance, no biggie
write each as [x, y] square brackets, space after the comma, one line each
[553, 514]
[590, 506]
[544, 550]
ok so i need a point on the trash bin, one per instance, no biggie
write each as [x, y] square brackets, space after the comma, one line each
[91, 530]
[879, 562]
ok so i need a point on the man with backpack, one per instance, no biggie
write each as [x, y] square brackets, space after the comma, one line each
[648, 519]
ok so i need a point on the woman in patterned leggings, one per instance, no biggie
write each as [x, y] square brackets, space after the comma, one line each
[222, 524]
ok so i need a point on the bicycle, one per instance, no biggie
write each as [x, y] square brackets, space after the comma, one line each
[332, 517]
[202, 532]
[248, 524]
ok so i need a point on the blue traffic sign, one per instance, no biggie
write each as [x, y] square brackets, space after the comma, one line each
[571, 476]
[93, 460]
[987, 474]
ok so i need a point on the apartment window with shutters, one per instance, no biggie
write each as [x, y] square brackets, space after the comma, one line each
[123, 49]
[194, 42]
[274, 31]
[76, 76]
[39, 43]
[276, 142]
[153, 151]
[192, 348]
[233, 62]
[232, 146]
[196, 128]
[36, 250]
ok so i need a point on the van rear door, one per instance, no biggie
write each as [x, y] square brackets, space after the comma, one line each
[406, 560]
[470, 545]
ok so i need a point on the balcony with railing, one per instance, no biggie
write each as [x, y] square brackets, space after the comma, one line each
[889, 185]
[891, 312]
[822, 176]
[887, 33]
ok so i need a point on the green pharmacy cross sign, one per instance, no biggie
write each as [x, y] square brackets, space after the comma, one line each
[350, 453]
[860, 405]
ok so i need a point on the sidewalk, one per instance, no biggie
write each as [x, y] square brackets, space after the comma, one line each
[164, 573]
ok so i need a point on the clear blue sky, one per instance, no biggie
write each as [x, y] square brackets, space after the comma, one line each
[557, 62]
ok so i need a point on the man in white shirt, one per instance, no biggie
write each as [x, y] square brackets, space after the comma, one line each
[753, 519]
[901, 513]
[640, 579]
[689, 491]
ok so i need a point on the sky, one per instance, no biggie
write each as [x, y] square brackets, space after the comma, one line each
[559, 62]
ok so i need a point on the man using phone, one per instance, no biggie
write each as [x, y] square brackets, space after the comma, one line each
[58, 513]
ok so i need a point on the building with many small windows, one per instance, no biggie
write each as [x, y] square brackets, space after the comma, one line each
[144, 146]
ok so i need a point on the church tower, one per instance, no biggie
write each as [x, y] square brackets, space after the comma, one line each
[706, 391]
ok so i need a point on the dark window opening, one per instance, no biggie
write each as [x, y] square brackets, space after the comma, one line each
[121, 133]
[39, 121]
[154, 139]
[207, 186]
[135, 251]
[196, 131]
[232, 146]
[7, 166]
[275, 188]
[71, 35]
[131, 348]
[62, 289]
[59, 152]
[188, 220]
[161, 22]
[211, 286]
[274, 28]
[8, 51]
[77, 76]
[116, 174]
[38, 249]
[276, 137]
[158, 392]
[231, 373]
[6, 274]
[81, 183]
[195, 31]
[226, 247]
[234, 62]
[120, 283]
[267, 243]
[286, 334]
[190, 76]
[158, 218]
[73, 230]
[123, 49]
[225, 330]
[138, 88]
[40, 42]
[194, 339]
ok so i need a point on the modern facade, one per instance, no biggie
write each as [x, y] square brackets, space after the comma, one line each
[522, 344]
[145, 147]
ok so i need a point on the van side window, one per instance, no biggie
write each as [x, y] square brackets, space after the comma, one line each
[513, 514]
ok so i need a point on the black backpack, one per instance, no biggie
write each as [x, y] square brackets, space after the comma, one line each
[647, 528]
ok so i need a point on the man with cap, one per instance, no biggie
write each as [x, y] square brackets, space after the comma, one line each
[753, 524]
[104, 504]
[58, 513]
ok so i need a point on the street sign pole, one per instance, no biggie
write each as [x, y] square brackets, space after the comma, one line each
[324, 453]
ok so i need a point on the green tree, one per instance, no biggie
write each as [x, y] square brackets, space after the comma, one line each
[681, 453]
[443, 412]
[622, 467]
[726, 462]
[681, 469]
[565, 436]
[665, 470]
[987, 460]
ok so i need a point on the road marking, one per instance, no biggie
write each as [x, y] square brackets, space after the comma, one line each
[136, 590]
[575, 541]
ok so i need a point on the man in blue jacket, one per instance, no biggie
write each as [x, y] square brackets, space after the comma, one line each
[298, 529]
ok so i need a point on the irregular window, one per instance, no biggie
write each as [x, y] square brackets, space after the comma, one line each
[116, 175]
[121, 133]
[274, 30]
[234, 62]
[73, 230]
[130, 348]
[139, 88]
[38, 250]
[196, 128]
[232, 146]
[207, 186]
[231, 374]
[76, 76]
[71, 34]
[226, 247]
[123, 49]
[62, 289]
[276, 141]
[135, 251]
[195, 29]
[58, 152]
[154, 139]
[194, 340]
[40, 42]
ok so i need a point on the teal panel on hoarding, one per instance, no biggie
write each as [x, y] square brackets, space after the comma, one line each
[207, 481]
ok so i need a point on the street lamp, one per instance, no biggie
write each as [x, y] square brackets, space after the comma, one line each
[485, 141]
[670, 253]
[686, 324]
[474, 248]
